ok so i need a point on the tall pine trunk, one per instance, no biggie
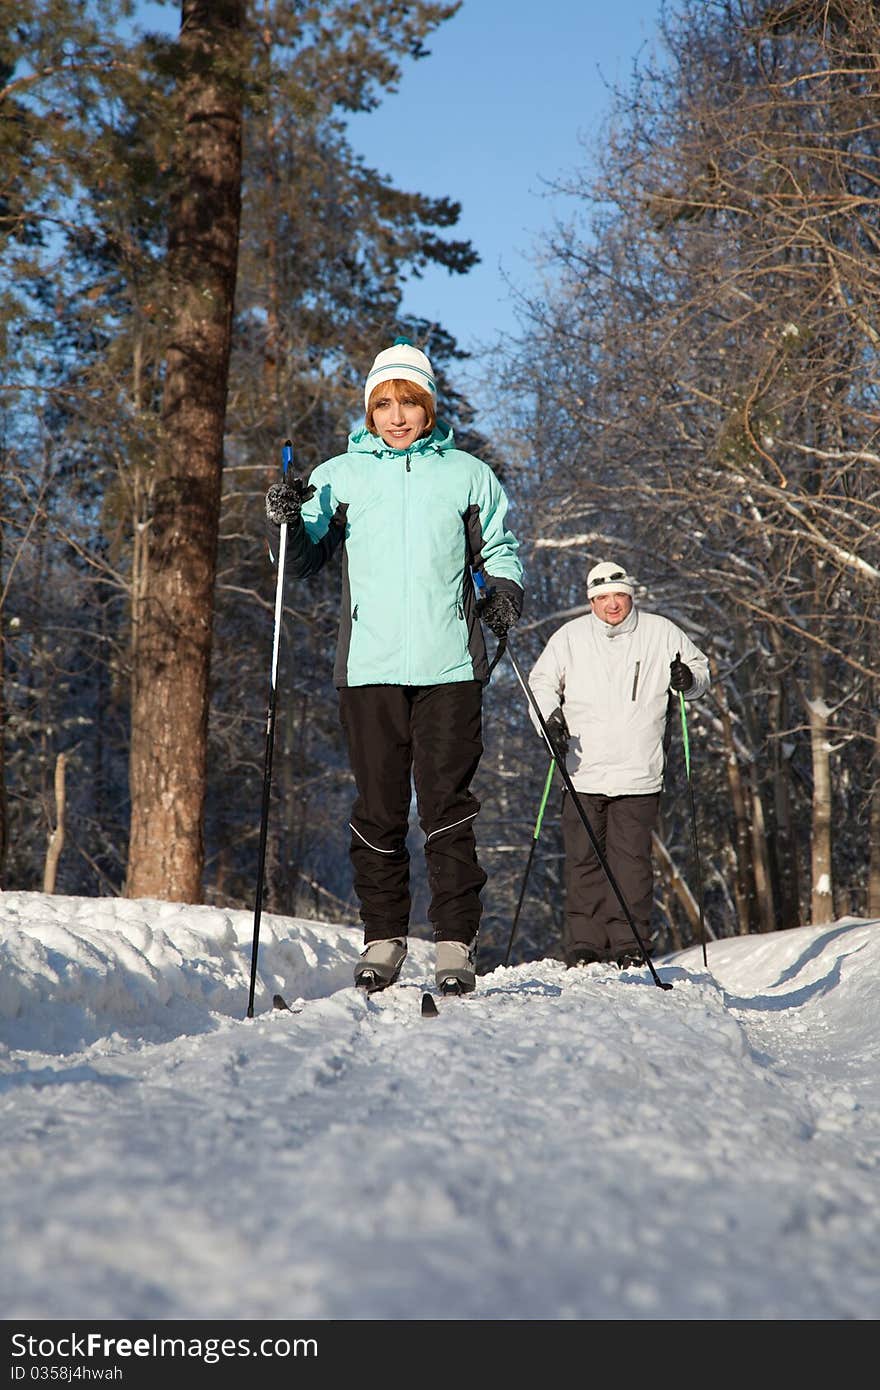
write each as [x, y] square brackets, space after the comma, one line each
[172, 640]
[4, 811]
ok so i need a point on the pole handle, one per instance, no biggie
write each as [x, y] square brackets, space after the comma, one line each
[684, 734]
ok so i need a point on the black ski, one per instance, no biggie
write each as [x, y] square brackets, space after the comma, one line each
[279, 1002]
[450, 989]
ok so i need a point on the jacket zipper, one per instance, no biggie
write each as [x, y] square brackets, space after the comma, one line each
[636, 680]
[405, 585]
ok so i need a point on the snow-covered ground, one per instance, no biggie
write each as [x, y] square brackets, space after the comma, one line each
[560, 1145]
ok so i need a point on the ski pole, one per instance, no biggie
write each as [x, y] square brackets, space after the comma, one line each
[687, 763]
[286, 461]
[576, 802]
[522, 892]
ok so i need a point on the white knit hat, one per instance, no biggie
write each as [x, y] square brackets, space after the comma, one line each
[401, 362]
[608, 578]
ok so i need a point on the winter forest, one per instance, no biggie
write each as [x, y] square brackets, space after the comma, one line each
[195, 266]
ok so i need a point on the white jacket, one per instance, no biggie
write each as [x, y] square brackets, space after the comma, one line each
[613, 685]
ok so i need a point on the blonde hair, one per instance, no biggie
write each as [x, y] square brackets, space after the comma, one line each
[408, 392]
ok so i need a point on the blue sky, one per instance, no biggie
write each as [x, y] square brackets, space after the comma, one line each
[513, 94]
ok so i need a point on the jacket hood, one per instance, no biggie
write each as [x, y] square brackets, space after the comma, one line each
[441, 438]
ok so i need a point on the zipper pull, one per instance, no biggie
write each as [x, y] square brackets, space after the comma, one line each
[408, 469]
[354, 614]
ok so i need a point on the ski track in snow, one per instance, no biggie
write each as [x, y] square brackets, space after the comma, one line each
[559, 1145]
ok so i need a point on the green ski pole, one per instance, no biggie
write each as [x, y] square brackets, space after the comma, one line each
[536, 833]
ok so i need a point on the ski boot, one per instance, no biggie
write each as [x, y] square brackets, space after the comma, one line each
[455, 968]
[380, 963]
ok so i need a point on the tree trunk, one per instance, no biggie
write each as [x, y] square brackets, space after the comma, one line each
[4, 805]
[172, 644]
[822, 903]
[670, 875]
[56, 839]
[783, 842]
[744, 893]
[761, 863]
[874, 865]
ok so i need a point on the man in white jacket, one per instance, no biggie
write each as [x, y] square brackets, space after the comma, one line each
[602, 684]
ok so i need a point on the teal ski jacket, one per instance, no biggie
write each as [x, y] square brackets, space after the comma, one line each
[413, 523]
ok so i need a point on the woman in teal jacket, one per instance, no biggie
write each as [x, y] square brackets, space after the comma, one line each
[415, 518]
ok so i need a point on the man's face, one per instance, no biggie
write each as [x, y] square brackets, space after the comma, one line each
[612, 608]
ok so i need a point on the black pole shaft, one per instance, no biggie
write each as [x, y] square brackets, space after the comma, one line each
[576, 802]
[539, 819]
[522, 894]
[264, 825]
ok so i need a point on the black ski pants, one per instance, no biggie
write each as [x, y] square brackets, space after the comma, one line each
[431, 735]
[593, 915]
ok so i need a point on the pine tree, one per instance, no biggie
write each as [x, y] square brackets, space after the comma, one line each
[112, 375]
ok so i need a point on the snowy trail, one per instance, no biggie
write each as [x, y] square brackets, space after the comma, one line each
[563, 1144]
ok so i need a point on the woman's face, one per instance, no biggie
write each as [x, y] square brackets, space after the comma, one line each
[399, 422]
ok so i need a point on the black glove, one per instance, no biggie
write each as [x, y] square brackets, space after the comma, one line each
[681, 677]
[284, 500]
[557, 730]
[498, 611]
